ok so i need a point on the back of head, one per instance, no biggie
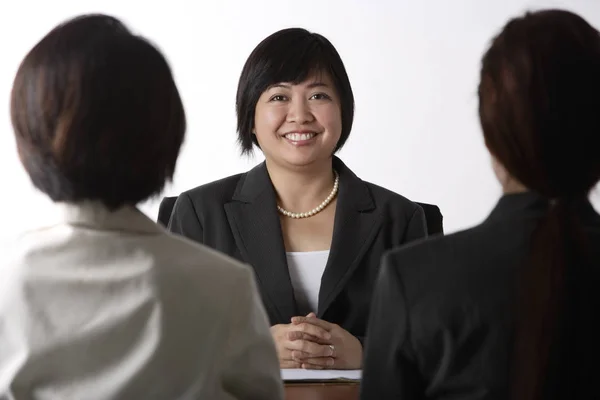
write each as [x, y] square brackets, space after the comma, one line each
[538, 105]
[96, 114]
[539, 102]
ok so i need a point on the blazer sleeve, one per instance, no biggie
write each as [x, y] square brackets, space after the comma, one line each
[251, 368]
[417, 226]
[389, 369]
[184, 219]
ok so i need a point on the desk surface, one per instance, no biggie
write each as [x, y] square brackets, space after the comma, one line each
[322, 391]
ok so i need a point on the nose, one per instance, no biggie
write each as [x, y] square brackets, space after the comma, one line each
[299, 111]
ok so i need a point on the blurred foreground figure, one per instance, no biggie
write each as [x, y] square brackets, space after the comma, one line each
[509, 309]
[102, 303]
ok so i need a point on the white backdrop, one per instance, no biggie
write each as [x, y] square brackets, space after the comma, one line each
[413, 66]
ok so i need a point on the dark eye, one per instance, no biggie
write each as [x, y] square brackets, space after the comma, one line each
[278, 97]
[320, 96]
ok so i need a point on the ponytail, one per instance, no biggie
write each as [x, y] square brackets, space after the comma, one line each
[545, 304]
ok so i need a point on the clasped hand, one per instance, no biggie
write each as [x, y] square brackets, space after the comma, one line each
[312, 343]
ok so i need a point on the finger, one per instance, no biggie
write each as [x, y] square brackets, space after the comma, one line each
[312, 348]
[284, 354]
[312, 366]
[299, 355]
[312, 320]
[310, 329]
[309, 315]
[288, 364]
[324, 362]
[297, 335]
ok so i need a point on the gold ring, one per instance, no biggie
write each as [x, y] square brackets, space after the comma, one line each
[332, 347]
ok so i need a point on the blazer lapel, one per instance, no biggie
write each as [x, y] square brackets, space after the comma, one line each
[355, 225]
[255, 224]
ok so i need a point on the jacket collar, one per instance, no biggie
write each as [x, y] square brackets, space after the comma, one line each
[257, 181]
[94, 215]
[531, 205]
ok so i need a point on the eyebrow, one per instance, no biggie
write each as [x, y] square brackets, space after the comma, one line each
[317, 84]
[310, 86]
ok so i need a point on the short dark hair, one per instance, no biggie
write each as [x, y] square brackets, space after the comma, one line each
[96, 114]
[289, 55]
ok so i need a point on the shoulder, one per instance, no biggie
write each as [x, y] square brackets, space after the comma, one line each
[203, 281]
[367, 193]
[220, 190]
[446, 249]
[473, 261]
[209, 198]
[458, 292]
[393, 204]
[196, 260]
[382, 195]
[431, 251]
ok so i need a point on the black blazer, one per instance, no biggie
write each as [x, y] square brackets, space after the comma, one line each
[441, 325]
[165, 209]
[433, 215]
[238, 216]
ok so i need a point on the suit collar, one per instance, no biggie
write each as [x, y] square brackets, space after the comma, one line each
[254, 221]
[529, 204]
[94, 215]
[256, 181]
[355, 192]
[357, 221]
[255, 224]
[253, 184]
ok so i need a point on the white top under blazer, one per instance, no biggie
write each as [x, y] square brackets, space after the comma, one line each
[306, 270]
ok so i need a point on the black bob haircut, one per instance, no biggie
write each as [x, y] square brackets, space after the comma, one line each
[289, 55]
[96, 114]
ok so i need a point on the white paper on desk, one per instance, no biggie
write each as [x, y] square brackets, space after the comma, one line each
[321, 375]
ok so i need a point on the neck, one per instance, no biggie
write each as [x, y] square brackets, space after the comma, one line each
[513, 187]
[302, 189]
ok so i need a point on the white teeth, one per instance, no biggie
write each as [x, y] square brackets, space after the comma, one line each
[296, 137]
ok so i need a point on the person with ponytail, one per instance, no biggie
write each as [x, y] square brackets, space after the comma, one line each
[509, 309]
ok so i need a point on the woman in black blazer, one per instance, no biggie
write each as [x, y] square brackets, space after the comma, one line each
[509, 309]
[312, 230]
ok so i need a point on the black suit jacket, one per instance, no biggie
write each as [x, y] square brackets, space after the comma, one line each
[238, 216]
[165, 209]
[433, 215]
[442, 320]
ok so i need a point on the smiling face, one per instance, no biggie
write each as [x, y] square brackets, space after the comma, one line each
[299, 124]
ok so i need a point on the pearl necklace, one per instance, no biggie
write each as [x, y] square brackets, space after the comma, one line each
[317, 209]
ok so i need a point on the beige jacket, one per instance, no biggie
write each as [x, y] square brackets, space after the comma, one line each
[101, 305]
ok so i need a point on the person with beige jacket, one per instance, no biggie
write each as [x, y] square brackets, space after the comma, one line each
[100, 302]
